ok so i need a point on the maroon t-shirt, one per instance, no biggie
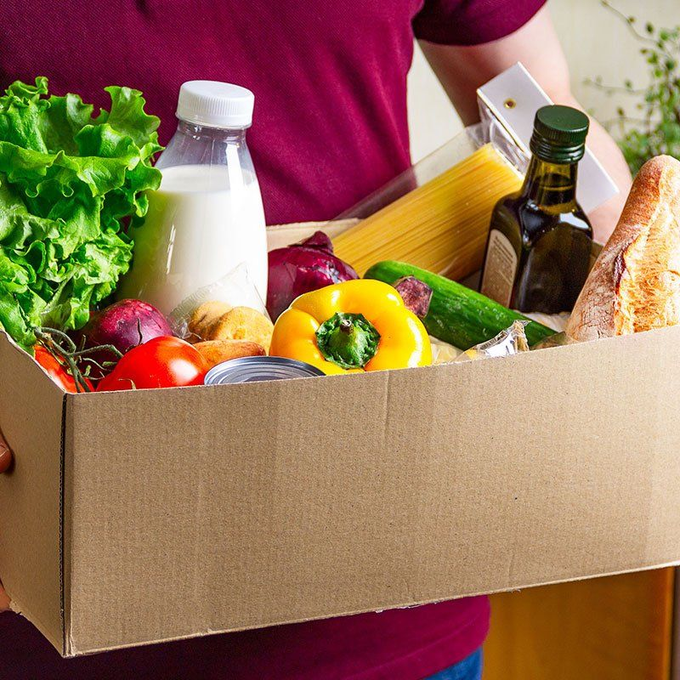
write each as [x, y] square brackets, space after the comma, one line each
[330, 127]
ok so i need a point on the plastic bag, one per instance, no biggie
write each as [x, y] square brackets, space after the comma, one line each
[510, 341]
[443, 352]
[236, 289]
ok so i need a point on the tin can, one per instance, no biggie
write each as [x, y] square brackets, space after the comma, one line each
[259, 369]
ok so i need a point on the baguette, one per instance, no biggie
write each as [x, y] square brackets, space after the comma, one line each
[634, 285]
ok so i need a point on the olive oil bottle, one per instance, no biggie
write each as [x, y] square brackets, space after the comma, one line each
[538, 249]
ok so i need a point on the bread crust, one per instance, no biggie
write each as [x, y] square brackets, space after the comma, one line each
[634, 284]
[205, 316]
[217, 351]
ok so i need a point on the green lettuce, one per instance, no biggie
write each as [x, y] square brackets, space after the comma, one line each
[69, 183]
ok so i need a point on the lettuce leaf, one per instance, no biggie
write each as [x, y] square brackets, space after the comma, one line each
[69, 182]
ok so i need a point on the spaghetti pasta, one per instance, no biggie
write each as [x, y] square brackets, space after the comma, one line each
[442, 225]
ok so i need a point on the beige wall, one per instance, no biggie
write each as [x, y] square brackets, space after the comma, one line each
[596, 43]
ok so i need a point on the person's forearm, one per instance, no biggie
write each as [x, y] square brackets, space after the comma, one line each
[462, 70]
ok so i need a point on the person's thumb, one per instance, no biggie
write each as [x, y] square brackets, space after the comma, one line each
[5, 455]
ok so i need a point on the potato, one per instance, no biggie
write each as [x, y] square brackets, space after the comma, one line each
[217, 351]
[243, 323]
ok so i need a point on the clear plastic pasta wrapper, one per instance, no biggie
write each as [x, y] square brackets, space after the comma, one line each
[198, 313]
[511, 341]
[427, 214]
[489, 134]
[558, 323]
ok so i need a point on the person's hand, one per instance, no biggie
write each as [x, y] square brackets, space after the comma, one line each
[605, 218]
[5, 463]
[5, 455]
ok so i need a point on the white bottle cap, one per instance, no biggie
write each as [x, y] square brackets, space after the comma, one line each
[215, 104]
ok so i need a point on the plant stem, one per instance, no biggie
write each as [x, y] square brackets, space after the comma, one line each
[70, 356]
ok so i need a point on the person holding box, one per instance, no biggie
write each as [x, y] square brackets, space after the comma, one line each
[331, 127]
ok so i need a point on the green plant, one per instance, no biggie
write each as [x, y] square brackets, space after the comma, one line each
[655, 129]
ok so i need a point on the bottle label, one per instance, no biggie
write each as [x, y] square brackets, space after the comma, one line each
[500, 268]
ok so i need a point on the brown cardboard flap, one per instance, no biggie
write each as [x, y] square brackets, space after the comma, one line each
[30, 552]
[202, 510]
[279, 236]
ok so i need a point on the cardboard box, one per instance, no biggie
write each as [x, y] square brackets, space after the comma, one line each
[136, 517]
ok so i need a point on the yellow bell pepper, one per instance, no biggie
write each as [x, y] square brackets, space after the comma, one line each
[359, 325]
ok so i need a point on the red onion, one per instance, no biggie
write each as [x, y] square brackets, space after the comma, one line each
[300, 268]
[124, 325]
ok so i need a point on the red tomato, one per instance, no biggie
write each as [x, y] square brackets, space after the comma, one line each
[56, 371]
[161, 362]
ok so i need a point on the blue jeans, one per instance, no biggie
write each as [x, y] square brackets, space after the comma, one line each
[468, 669]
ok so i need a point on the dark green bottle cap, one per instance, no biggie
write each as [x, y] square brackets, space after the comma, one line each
[559, 134]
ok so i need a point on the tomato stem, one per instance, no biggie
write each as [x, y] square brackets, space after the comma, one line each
[62, 347]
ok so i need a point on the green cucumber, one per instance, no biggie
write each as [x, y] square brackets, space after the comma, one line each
[458, 315]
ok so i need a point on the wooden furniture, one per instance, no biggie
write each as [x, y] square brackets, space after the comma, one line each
[612, 628]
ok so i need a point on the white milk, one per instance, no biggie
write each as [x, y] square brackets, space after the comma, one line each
[196, 231]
